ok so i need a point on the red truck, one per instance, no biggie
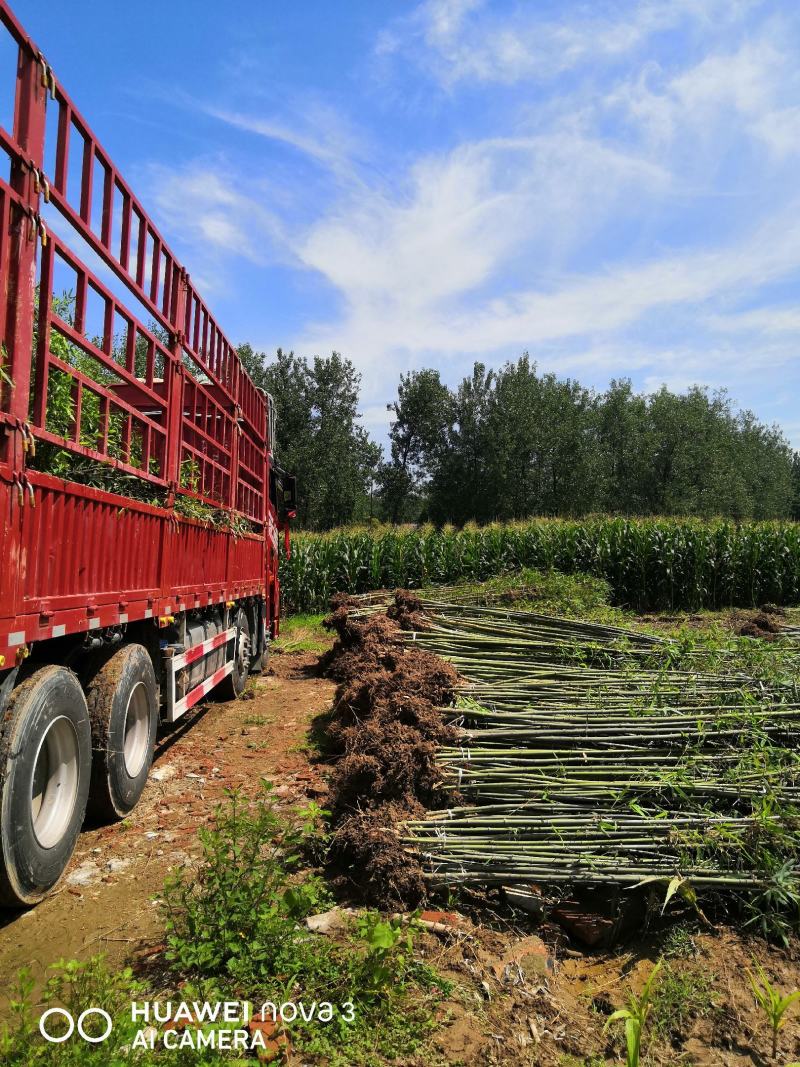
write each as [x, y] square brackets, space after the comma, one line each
[140, 505]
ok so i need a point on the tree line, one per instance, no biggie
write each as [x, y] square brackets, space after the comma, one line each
[515, 442]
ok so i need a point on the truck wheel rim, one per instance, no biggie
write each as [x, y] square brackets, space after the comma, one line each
[54, 788]
[137, 730]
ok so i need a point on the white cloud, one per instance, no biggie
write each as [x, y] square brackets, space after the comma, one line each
[462, 213]
[316, 130]
[458, 40]
[215, 223]
[205, 207]
[779, 128]
[744, 91]
[390, 316]
[616, 298]
[767, 320]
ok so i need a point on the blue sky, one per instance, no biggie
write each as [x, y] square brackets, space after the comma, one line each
[611, 186]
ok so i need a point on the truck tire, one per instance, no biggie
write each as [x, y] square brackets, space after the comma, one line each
[123, 710]
[232, 687]
[259, 661]
[45, 764]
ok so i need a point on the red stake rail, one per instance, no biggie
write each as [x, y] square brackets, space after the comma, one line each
[171, 404]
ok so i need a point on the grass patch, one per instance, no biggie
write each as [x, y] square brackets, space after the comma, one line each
[302, 633]
[679, 943]
[258, 720]
[548, 592]
[683, 994]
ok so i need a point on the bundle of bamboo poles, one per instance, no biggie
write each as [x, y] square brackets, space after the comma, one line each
[563, 841]
[584, 759]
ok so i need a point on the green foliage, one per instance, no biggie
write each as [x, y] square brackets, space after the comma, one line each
[5, 377]
[422, 413]
[774, 910]
[510, 443]
[390, 944]
[634, 1017]
[73, 985]
[77, 985]
[318, 437]
[238, 917]
[769, 999]
[547, 592]
[122, 442]
[235, 914]
[648, 563]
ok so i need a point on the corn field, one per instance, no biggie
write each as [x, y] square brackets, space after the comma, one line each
[651, 563]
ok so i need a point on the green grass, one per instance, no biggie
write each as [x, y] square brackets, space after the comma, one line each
[302, 633]
[548, 592]
[679, 943]
[684, 993]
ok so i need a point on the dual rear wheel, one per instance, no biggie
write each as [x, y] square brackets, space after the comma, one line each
[66, 749]
[62, 750]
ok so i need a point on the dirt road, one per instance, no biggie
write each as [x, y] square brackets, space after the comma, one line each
[106, 901]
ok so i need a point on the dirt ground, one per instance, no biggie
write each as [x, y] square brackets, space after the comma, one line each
[105, 903]
[522, 994]
[540, 1000]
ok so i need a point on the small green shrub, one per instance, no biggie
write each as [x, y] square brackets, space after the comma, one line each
[773, 1005]
[74, 985]
[634, 1017]
[235, 915]
[238, 918]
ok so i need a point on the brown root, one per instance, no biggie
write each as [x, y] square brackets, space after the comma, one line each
[372, 861]
[760, 625]
[386, 724]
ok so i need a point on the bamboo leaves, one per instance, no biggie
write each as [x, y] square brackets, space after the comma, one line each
[570, 771]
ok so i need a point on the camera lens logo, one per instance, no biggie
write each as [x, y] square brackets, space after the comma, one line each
[57, 1038]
